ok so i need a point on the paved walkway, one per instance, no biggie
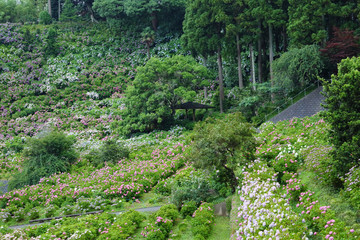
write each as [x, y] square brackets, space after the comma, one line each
[305, 107]
[148, 209]
[3, 186]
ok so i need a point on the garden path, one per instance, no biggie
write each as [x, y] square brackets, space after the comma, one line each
[3, 186]
[148, 209]
[305, 107]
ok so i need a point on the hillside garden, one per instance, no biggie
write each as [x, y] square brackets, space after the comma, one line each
[88, 120]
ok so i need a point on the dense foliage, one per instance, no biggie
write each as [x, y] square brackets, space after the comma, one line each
[103, 72]
[52, 152]
[297, 68]
[342, 45]
[157, 88]
[293, 159]
[343, 113]
[222, 145]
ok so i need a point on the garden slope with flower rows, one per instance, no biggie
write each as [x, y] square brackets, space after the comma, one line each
[80, 90]
[125, 181]
[273, 202]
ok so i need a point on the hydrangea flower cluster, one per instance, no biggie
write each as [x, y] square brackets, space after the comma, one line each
[263, 213]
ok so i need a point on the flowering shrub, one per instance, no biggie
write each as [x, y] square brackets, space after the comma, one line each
[33, 213]
[202, 221]
[162, 223]
[188, 208]
[319, 161]
[302, 144]
[50, 210]
[19, 215]
[126, 181]
[320, 220]
[352, 186]
[263, 212]
[123, 227]
[4, 215]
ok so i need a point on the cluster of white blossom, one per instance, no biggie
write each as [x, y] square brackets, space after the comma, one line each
[92, 95]
[263, 213]
[65, 79]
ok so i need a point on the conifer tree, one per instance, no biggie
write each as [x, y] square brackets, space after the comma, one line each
[204, 31]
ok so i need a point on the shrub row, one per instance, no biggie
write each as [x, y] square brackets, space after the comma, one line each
[202, 221]
[162, 223]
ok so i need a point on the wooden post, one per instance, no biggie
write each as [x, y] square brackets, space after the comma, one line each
[194, 114]
[186, 116]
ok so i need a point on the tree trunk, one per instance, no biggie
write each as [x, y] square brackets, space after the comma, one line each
[284, 38]
[221, 80]
[49, 6]
[154, 20]
[260, 70]
[93, 19]
[231, 175]
[271, 59]
[205, 88]
[148, 49]
[252, 65]
[241, 82]
[59, 5]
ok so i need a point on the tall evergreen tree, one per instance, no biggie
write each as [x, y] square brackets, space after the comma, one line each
[233, 29]
[249, 27]
[150, 8]
[69, 12]
[204, 31]
[306, 21]
[272, 15]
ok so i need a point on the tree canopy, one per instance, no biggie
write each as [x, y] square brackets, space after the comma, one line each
[297, 67]
[223, 145]
[158, 87]
[343, 113]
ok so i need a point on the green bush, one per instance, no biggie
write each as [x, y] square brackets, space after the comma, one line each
[202, 221]
[168, 211]
[69, 12]
[50, 210]
[33, 213]
[45, 18]
[19, 215]
[51, 47]
[221, 145]
[162, 223]
[164, 187]
[297, 67]
[51, 152]
[188, 208]
[196, 189]
[343, 113]
[4, 216]
[110, 152]
[128, 222]
[17, 145]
